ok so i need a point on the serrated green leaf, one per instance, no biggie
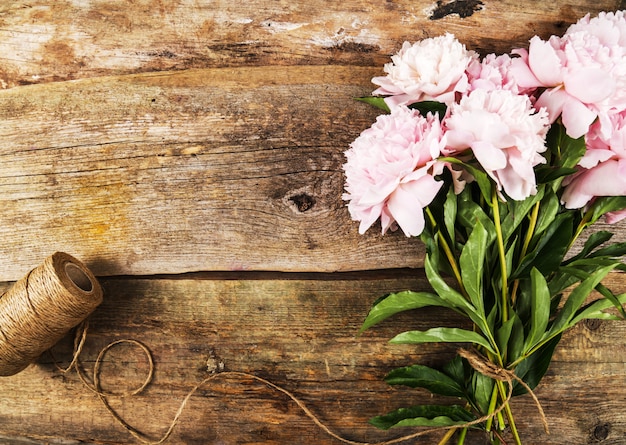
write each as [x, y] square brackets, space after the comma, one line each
[540, 308]
[400, 302]
[444, 335]
[376, 101]
[418, 376]
[423, 415]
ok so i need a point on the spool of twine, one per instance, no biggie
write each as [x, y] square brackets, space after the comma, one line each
[42, 307]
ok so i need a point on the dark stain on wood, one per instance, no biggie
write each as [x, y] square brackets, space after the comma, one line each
[464, 8]
[303, 202]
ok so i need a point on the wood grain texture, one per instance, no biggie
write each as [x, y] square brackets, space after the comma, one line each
[43, 41]
[169, 136]
[220, 169]
[300, 334]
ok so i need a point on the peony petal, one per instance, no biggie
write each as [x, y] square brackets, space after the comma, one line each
[577, 117]
[589, 85]
[545, 62]
[523, 75]
[407, 203]
[552, 100]
[603, 180]
[489, 156]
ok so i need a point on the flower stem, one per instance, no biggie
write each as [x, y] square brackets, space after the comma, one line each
[444, 440]
[509, 413]
[502, 255]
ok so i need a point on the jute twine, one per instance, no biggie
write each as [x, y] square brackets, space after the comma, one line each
[61, 293]
[474, 358]
[42, 307]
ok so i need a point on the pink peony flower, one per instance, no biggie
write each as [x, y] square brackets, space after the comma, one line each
[505, 134]
[602, 168]
[432, 69]
[589, 54]
[494, 73]
[390, 171]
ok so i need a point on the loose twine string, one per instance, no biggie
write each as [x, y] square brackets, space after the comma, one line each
[61, 293]
[474, 358]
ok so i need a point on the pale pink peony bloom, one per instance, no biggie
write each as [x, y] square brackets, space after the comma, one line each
[391, 168]
[494, 73]
[583, 71]
[602, 168]
[431, 69]
[505, 134]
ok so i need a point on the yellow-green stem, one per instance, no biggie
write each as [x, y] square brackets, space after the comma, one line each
[492, 407]
[503, 268]
[509, 413]
[444, 440]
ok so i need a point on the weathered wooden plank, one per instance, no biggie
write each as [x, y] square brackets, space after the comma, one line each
[300, 334]
[219, 169]
[222, 169]
[43, 40]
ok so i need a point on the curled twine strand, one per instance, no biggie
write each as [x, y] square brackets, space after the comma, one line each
[476, 360]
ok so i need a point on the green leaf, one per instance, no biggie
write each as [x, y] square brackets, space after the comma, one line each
[548, 210]
[547, 174]
[430, 106]
[376, 101]
[482, 179]
[519, 210]
[606, 204]
[568, 151]
[615, 250]
[469, 213]
[594, 240]
[577, 298]
[596, 309]
[445, 335]
[482, 387]
[400, 302]
[424, 415]
[515, 347]
[533, 368]
[418, 376]
[454, 298]
[552, 246]
[449, 213]
[472, 262]
[504, 334]
[540, 308]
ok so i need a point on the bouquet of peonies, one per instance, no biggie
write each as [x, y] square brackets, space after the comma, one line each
[499, 164]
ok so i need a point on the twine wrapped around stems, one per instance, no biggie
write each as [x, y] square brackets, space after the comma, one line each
[42, 307]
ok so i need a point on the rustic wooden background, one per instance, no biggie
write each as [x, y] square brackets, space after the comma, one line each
[189, 152]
